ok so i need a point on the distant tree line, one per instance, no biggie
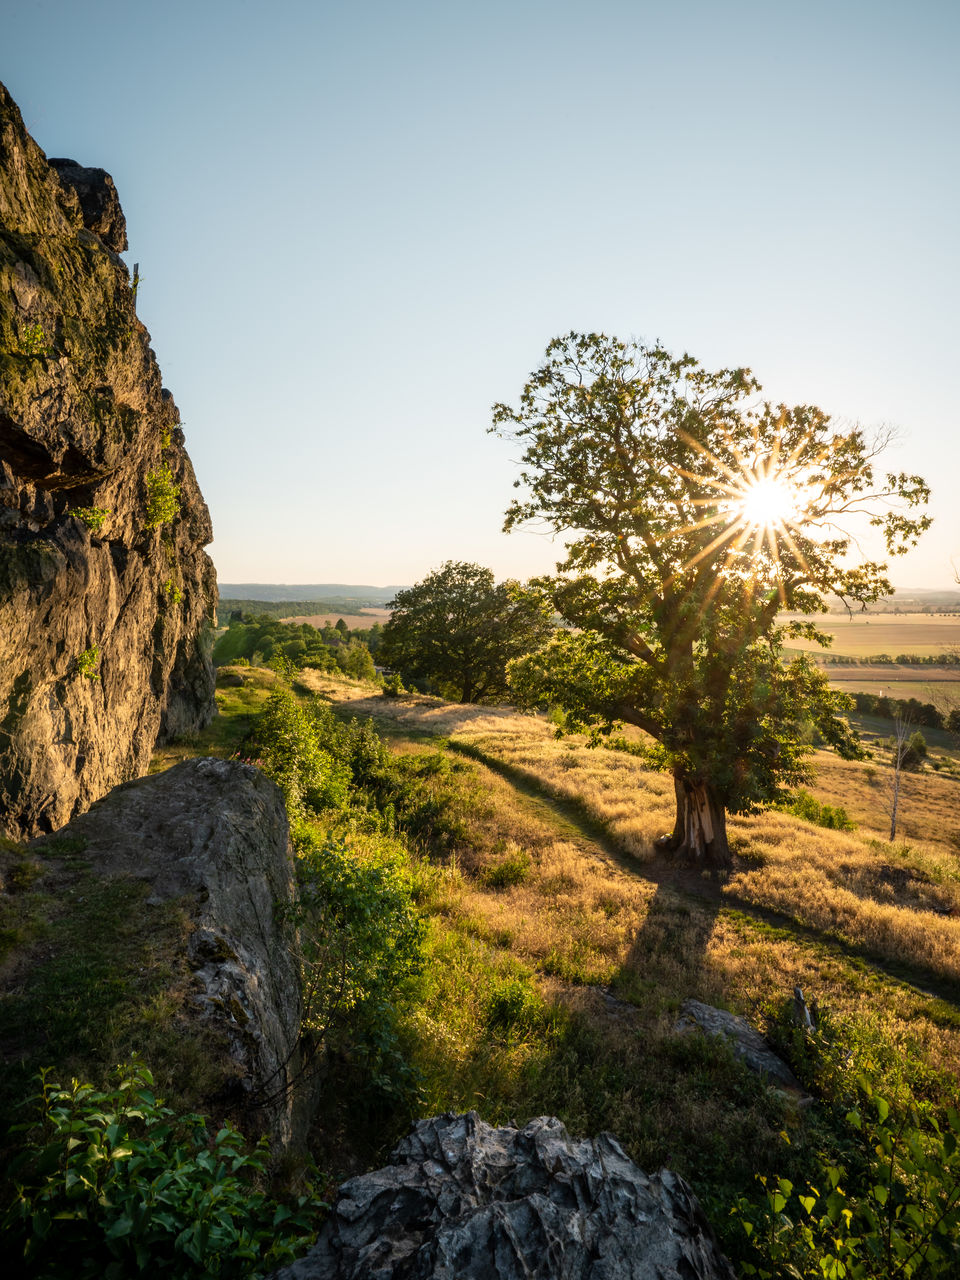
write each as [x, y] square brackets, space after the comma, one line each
[909, 710]
[262, 638]
[951, 659]
[330, 607]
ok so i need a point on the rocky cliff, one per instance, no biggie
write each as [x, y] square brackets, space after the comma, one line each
[106, 594]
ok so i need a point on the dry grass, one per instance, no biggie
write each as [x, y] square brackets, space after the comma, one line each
[901, 907]
[929, 809]
[588, 921]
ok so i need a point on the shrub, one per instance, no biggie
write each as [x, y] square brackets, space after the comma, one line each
[163, 497]
[87, 663]
[361, 939]
[33, 340]
[112, 1184]
[803, 805]
[902, 1218]
[514, 1006]
[92, 517]
[513, 868]
[287, 743]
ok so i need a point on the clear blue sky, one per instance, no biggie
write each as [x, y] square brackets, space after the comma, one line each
[358, 225]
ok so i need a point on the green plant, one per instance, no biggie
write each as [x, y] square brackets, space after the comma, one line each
[163, 497]
[514, 1006]
[361, 934]
[33, 340]
[803, 805]
[111, 1184]
[92, 517]
[393, 686]
[87, 663]
[286, 741]
[513, 868]
[899, 1218]
[172, 591]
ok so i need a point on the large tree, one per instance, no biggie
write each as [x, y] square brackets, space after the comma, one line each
[459, 629]
[695, 515]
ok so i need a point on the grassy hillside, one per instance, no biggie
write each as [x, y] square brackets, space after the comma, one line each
[559, 948]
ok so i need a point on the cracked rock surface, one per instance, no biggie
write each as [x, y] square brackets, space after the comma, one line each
[106, 595]
[461, 1200]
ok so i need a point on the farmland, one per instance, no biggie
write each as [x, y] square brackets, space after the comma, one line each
[863, 635]
[361, 621]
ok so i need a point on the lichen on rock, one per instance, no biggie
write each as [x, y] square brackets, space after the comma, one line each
[84, 424]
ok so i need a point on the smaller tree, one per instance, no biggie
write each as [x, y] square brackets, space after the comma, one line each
[459, 629]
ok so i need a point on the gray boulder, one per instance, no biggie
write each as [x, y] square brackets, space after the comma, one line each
[213, 835]
[462, 1200]
[747, 1044]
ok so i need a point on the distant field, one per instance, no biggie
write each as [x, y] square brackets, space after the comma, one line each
[862, 635]
[362, 621]
[939, 685]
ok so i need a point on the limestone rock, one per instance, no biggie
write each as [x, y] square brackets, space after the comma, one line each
[106, 594]
[748, 1044]
[99, 202]
[462, 1200]
[214, 834]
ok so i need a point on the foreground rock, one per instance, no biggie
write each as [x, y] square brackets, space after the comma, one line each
[213, 834]
[747, 1044]
[106, 595]
[464, 1201]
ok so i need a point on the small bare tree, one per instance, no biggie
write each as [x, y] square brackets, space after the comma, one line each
[901, 741]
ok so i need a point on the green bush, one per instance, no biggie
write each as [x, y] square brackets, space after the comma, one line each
[87, 663]
[92, 517]
[290, 752]
[362, 940]
[112, 1184]
[33, 340]
[513, 868]
[901, 1217]
[163, 497]
[803, 805]
[515, 1007]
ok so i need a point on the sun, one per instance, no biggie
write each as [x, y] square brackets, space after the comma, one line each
[767, 502]
[756, 504]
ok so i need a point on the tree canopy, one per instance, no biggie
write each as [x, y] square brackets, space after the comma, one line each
[695, 515]
[458, 629]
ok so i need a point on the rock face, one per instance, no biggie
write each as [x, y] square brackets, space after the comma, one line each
[99, 202]
[105, 591]
[214, 834]
[748, 1045]
[464, 1201]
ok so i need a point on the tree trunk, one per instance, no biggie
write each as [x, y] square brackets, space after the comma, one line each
[700, 833]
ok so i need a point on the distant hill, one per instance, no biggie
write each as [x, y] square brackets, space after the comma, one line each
[344, 594]
[910, 600]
